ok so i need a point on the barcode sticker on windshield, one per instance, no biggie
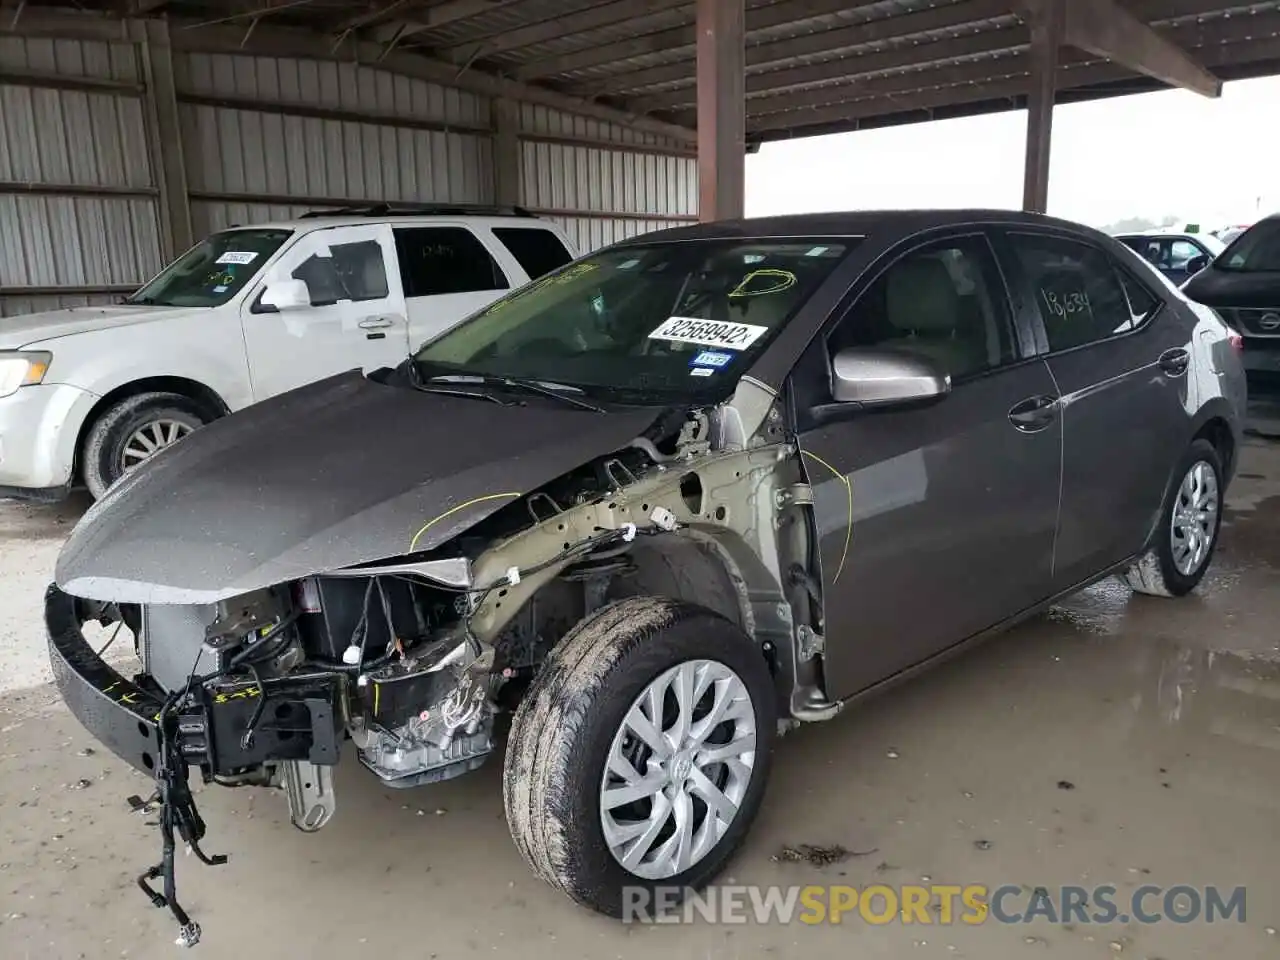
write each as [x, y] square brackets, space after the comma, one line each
[709, 333]
[237, 256]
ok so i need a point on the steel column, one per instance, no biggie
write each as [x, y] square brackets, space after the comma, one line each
[164, 132]
[506, 152]
[1047, 25]
[722, 133]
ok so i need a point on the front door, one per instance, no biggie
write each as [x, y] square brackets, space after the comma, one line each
[936, 522]
[1121, 364]
[356, 318]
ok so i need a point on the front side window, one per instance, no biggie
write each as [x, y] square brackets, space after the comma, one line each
[352, 271]
[213, 271]
[649, 323]
[1181, 251]
[945, 303]
[1256, 250]
[1080, 296]
[438, 260]
[537, 251]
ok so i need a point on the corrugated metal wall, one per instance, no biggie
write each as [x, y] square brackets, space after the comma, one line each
[634, 187]
[78, 203]
[246, 164]
[266, 138]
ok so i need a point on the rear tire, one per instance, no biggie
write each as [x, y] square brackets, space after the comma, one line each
[1187, 535]
[125, 430]
[576, 720]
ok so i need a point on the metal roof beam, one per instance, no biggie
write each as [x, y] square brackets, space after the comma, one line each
[950, 16]
[684, 37]
[1217, 43]
[855, 65]
[385, 26]
[1106, 29]
[577, 21]
[1077, 72]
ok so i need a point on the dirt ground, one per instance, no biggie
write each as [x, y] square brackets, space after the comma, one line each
[1117, 739]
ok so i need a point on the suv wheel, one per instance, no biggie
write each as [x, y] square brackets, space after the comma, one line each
[1188, 531]
[639, 756]
[131, 432]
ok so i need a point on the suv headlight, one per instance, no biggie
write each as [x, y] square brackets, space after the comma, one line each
[21, 368]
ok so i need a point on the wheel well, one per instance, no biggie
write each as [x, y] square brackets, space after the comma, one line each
[1218, 433]
[210, 405]
[681, 569]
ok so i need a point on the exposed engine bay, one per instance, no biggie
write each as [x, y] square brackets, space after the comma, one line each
[413, 658]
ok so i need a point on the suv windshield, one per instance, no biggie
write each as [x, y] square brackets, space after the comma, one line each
[648, 323]
[213, 271]
[1254, 251]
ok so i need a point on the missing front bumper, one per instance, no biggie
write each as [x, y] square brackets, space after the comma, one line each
[295, 718]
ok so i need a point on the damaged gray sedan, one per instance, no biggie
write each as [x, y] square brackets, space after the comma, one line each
[655, 508]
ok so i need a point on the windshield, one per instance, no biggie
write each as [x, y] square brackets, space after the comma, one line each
[1254, 251]
[648, 323]
[213, 271]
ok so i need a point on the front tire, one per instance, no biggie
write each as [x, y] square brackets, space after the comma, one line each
[1184, 543]
[131, 432]
[639, 757]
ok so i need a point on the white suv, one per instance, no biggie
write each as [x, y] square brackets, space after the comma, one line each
[88, 393]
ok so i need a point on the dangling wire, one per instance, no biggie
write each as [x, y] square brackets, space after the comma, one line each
[178, 811]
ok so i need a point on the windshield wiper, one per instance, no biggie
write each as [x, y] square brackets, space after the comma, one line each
[545, 388]
[415, 379]
[140, 301]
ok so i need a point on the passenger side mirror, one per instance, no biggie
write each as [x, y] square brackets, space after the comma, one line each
[286, 295]
[1197, 263]
[880, 376]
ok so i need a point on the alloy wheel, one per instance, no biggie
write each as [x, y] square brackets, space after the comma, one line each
[678, 769]
[1195, 518]
[149, 439]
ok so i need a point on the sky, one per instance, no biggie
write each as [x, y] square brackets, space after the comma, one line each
[1153, 155]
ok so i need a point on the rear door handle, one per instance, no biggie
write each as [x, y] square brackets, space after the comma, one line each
[375, 323]
[1175, 362]
[1034, 413]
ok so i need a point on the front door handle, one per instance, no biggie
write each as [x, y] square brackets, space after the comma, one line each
[1034, 413]
[375, 323]
[1175, 362]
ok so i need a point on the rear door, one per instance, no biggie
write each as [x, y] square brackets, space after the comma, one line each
[1120, 360]
[449, 272]
[356, 318]
[934, 522]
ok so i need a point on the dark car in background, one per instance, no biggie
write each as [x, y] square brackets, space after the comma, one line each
[1179, 256]
[1243, 286]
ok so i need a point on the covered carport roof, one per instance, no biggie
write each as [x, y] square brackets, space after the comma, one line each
[812, 66]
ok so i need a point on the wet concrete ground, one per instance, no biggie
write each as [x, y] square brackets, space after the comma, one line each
[1116, 740]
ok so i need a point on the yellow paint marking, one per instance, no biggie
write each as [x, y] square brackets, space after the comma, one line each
[848, 529]
[782, 280]
[452, 510]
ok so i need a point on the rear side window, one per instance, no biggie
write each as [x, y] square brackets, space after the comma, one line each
[437, 260]
[1142, 302]
[1078, 291]
[537, 251]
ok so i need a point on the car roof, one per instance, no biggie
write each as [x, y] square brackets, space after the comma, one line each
[866, 223]
[309, 224]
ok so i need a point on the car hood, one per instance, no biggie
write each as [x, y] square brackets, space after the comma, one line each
[31, 328]
[1227, 288]
[338, 473]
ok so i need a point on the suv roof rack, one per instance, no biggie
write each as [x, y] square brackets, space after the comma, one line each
[398, 209]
